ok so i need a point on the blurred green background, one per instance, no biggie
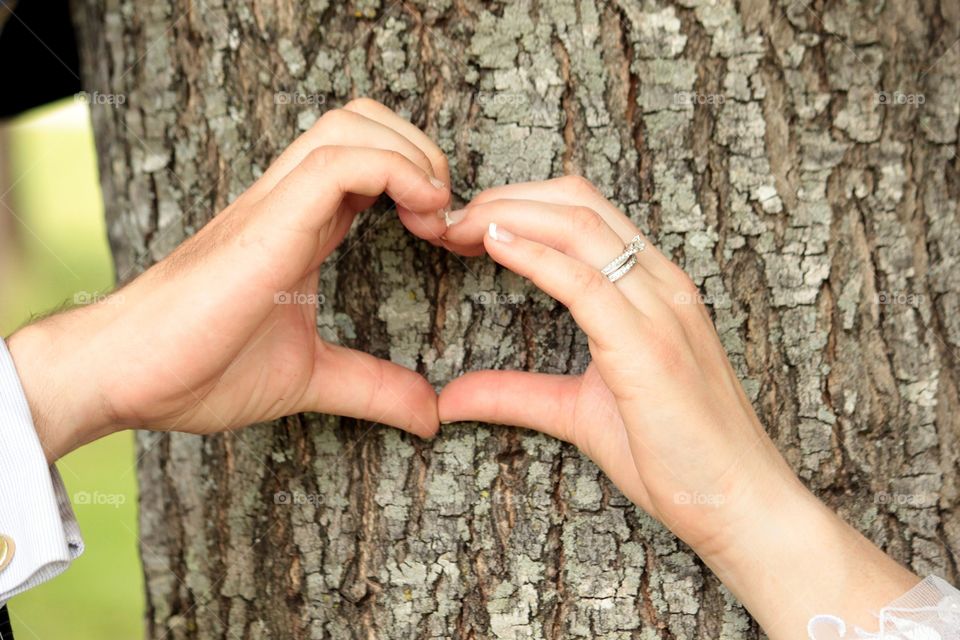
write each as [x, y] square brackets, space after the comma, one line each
[53, 246]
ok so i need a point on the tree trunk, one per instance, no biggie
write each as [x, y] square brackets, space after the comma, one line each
[798, 160]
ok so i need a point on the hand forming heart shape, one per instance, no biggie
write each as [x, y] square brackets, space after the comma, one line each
[660, 409]
[222, 333]
[244, 347]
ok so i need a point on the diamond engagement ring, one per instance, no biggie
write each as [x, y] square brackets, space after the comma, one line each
[621, 265]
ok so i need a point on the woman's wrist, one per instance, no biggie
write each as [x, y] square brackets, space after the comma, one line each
[54, 363]
[800, 559]
[773, 536]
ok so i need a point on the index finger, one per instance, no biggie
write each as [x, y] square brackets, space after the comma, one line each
[575, 190]
[387, 117]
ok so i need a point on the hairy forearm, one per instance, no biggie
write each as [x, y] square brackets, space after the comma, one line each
[56, 360]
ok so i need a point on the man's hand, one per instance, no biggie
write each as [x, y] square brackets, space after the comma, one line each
[207, 339]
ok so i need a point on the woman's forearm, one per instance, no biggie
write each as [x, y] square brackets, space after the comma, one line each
[800, 560]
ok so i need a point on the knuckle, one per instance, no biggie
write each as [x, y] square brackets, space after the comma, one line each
[319, 157]
[537, 252]
[394, 156]
[590, 281]
[422, 160]
[666, 352]
[332, 119]
[687, 293]
[687, 285]
[578, 185]
[483, 198]
[529, 268]
[586, 222]
[362, 104]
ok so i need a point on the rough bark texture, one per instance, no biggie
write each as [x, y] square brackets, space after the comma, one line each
[752, 140]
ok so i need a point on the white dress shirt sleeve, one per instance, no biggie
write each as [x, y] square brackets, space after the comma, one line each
[35, 510]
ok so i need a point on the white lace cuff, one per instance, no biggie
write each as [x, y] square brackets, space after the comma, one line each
[929, 611]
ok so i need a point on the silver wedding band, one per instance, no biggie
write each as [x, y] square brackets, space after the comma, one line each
[623, 263]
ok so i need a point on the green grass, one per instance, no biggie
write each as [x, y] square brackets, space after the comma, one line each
[60, 249]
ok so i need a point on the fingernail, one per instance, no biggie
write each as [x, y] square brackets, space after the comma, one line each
[443, 213]
[499, 233]
[446, 422]
[439, 184]
[453, 217]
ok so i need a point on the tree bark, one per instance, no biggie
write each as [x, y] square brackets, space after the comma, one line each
[779, 152]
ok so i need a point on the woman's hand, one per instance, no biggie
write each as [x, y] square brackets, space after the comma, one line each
[222, 333]
[660, 409]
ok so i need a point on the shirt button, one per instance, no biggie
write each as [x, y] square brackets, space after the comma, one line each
[6, 550]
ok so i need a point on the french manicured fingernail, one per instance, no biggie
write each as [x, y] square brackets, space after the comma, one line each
[453, 217]
[439, 184]
[499, 233]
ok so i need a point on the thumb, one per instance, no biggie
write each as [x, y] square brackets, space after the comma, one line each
[536, 401]
[352, 383]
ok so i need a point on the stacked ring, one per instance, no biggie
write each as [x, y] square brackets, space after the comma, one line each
[623, 263]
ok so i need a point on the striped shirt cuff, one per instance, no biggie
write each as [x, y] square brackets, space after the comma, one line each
[35, 510]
